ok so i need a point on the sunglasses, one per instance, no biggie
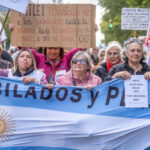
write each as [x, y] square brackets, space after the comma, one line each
[113, 53]
[81, 61]
[132, 40]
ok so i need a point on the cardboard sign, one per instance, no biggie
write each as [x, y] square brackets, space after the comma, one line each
[64, 25]
[18, 5]
[135, 18]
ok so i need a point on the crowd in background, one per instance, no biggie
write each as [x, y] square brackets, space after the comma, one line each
[52, 66]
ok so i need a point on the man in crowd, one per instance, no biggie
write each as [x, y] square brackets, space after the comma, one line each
[94, 56]
[3, 63]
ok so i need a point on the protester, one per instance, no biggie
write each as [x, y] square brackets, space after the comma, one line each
[3, 63]
[12, 50]
[113, 57]
[6, 56]
[80, 73]
[94, 56]
[54, 62]
[25, 69]
[101, 56]
[134, 57]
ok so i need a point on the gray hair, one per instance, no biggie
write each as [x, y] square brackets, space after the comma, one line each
[133, 40]
[87, 58]
[14, 69]
[129, 42]
[101, 50]
[111, 45]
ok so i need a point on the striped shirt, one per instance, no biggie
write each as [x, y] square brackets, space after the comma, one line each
[5, 64]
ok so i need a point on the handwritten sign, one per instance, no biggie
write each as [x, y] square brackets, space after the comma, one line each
[135, 18]
[17, 5]
[136, 92]
[64, 25]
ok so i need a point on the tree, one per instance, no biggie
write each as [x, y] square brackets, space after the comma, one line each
[113, 13]
[6, 29]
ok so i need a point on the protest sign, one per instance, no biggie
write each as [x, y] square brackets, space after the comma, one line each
[64, 25]
[17, 5]
[136, 92]
[70, 118]
[135, 18]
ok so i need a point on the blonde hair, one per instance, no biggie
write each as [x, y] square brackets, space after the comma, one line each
[14, 69]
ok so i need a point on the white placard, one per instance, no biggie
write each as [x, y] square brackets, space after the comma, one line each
[135, 18]
[136, 92]
[17, 5]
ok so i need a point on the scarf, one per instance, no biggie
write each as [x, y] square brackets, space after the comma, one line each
[54, 65]
[109, 65]
[18, 73]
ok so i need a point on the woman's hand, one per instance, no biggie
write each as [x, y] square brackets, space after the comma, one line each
[28, 79]
[50, 86]
[123, 74]
[147, 75]
[11, 27]
[88, 87]
[96, 28]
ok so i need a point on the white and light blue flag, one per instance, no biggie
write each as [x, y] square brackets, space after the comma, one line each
[17, 5]
[70, 118]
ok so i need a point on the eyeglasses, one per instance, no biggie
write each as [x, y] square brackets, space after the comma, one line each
[81, 61]
[113, 53]
[132, 40]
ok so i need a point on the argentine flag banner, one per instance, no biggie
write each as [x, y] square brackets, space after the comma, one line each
[70, 118]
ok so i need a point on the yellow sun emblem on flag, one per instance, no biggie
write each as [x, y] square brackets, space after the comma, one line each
[7, 126]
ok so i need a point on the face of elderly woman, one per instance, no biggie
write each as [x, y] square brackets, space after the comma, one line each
[79, 64]
[101, 56]
[134, 53]
[24, 61]
[113, 55]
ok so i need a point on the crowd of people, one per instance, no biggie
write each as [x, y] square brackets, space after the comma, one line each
[77, 67]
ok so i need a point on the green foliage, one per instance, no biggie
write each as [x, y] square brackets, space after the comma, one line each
[2, 18]
[113, 12]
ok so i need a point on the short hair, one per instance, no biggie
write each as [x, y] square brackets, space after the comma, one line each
[111, 45]
[133, 40]
[87, 58]
[129, 42]
[14, 69]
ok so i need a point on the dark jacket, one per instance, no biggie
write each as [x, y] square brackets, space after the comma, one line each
[5, 64]
[126, 67]
[95, 60]
[102, 71]
[6, 56]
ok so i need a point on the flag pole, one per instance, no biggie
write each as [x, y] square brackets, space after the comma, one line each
[4, 22]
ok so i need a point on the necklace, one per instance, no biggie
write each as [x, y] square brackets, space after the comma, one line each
[136, 69]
